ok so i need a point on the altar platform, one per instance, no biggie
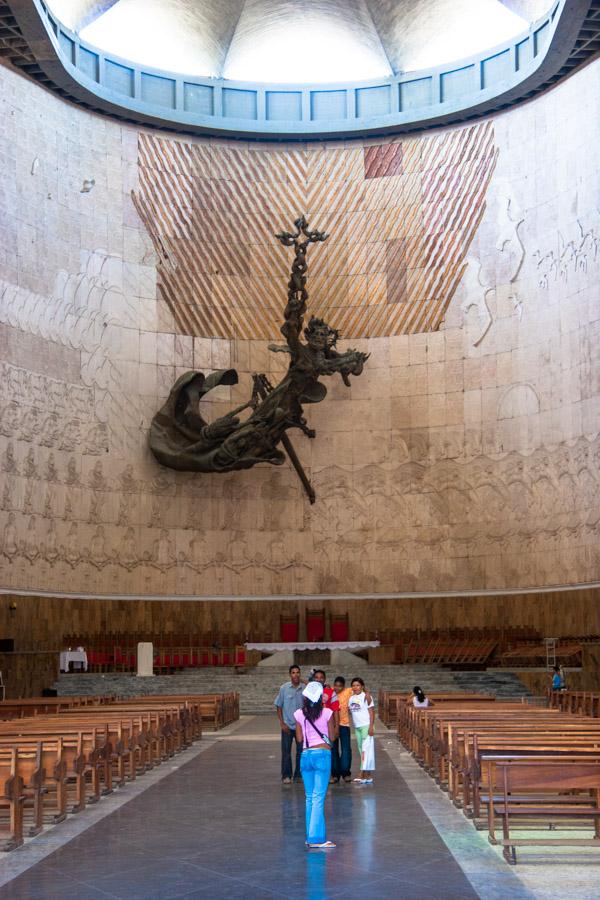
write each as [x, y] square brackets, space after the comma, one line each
[324, 653]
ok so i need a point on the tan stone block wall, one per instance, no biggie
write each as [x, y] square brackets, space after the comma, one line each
[465, 457]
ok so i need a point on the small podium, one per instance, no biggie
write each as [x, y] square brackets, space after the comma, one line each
[145, 659]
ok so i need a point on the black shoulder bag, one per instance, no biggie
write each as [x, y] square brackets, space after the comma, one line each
[324, 738]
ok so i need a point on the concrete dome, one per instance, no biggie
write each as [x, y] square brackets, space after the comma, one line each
[283, 41]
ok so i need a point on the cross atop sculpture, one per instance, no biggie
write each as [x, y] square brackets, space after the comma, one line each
[181, 439]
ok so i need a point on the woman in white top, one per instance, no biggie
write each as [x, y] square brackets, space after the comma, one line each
[362, 710]
[419, 700]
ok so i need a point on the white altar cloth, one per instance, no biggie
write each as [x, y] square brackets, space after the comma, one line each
[75, 656]
[318, 645]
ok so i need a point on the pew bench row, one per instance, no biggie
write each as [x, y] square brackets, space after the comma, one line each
[504, 763]
[58, 761]
[387, 701]
[584, 703]
[33, 706]
[218, 710]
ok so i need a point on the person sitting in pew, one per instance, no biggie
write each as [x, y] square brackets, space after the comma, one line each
[419, 699]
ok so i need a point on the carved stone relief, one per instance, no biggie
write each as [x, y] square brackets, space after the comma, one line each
[500, 265]
[576, 250]
[407, 502]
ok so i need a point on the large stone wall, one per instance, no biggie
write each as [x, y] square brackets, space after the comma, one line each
[467, 455]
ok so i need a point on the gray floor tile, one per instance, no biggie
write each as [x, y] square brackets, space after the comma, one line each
[222, 825]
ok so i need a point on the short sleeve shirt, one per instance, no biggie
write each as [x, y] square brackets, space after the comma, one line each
[330, 699]
[359, 708]
[289, 699]
[312, 737]
[343, 698]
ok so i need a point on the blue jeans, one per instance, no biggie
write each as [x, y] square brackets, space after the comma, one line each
[341, 756]
[288, 739]
[316, 772]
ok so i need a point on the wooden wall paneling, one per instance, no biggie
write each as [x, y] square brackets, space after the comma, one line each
[27, 674]
[590, 666]
[39, 623]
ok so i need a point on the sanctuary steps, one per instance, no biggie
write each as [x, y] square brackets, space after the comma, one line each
[258, 687]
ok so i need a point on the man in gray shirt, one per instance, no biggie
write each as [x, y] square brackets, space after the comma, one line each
[288, 700]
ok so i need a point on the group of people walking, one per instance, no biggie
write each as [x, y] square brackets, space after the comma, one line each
[316, 718]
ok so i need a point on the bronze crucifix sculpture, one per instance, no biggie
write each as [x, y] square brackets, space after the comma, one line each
[181, 439]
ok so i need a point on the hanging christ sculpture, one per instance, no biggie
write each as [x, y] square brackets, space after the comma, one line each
[181, 439]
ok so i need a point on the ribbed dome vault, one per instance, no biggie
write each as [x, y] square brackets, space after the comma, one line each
[290, 41]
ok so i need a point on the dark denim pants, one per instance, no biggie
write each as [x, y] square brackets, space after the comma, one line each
[341, 756]
[288, 739]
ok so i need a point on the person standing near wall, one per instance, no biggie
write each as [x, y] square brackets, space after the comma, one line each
[341, 753]
[314, 728]
[288, 700]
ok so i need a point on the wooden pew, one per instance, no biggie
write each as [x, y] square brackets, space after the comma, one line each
[33, 706]
[422, 730]
[217, 710]
[540, 780]
[87, 753]
[470, 772]
[59, 760]
[12, 798]
[387, 701]
[586, 703]
[476, 745]
[43, 769]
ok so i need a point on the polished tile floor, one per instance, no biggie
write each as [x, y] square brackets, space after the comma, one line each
[223, 826]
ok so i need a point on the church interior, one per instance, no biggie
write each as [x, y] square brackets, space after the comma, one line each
[300, 424]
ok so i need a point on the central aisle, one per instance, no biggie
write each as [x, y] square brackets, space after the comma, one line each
[223, 827]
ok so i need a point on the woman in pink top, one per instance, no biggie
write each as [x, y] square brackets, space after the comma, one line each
[315, 728]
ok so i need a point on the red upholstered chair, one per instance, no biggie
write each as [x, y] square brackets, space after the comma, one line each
[289, 629]
[315, 625]
[340, 630]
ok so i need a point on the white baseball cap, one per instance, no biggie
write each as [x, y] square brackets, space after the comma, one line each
[313, 690]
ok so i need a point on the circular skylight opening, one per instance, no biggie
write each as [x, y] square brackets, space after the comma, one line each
[295, 41]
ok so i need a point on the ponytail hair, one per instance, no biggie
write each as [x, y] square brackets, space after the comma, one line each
[419, 694]
[311, 710]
